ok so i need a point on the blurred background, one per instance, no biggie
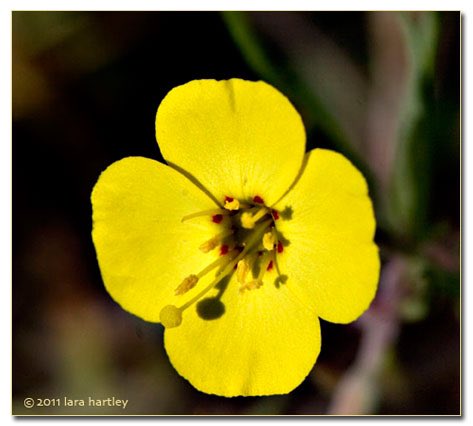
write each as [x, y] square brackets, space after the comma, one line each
[383, 88]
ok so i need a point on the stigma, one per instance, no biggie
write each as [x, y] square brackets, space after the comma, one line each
[248, 245]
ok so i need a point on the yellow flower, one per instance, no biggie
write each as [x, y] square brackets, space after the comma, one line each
[241, 242]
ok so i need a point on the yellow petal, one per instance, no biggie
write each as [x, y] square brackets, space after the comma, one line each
[258, 342]
[330, 258]
[143, 249]
[237, 138]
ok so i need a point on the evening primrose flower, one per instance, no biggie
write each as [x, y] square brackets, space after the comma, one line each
[241, 243]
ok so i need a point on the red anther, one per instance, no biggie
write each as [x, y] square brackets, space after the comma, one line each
[258, 199]
[270, 265]
[280, 247]
[223, 250]
[229, 199]
[217, 218]
[275, 214]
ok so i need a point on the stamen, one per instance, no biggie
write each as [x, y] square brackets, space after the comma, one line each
[258, 282]
[228, 268]
[218, 262]
[252, 285]
[248, 219]
[250, 244]
[188, 283]
[249, 236]
[243, 267]
[209, 245]
[232, 204]
[215, 241]
[269, 240]
[205, 213]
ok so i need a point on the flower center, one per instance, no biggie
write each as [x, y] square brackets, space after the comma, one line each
[248, 245]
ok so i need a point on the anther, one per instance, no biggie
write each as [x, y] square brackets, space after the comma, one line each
[228, 268]
[242, 270]
[257, 199]
[268, 240]
[280, 247]
[232, 204]
[252, 285]
[209, 245]
[187, 284]
[215, 241]
[170, 316]
[248, 219]
[275, 214]
[258, 282]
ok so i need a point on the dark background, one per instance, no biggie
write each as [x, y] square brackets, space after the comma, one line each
[383, 88]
